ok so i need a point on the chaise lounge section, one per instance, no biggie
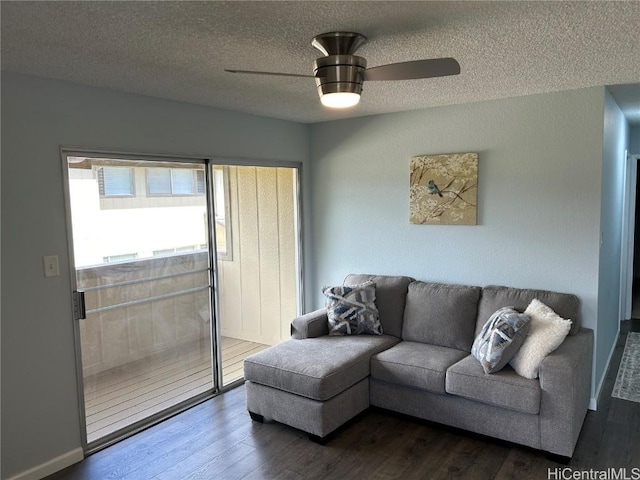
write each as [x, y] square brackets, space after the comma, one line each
[422, 366]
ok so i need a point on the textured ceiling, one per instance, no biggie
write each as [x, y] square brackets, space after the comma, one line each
[179, 50]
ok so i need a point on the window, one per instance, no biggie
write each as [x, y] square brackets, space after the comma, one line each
[120, 258]
[178, 250]
[182, 182]
[164, 252]
[222, 210]
[159, 181]
[200, 182]
[175, 181]
[116, 181]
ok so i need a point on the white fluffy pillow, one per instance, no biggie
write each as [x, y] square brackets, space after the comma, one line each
[548, 330]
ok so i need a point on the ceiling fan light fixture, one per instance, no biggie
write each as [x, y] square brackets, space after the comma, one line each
[340, 99]
[339, 80]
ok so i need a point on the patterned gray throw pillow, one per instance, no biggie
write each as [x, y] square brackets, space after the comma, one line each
[500, 338]
[352, 310]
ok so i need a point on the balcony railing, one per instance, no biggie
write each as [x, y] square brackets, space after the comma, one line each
[142, 308]
[146, 340]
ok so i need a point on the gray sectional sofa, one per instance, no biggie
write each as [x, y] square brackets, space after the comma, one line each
[422, 366]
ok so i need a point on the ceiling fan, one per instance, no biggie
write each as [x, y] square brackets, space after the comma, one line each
[339, 74]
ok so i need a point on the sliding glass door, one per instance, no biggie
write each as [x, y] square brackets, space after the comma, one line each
[162, 319]
[141, 256]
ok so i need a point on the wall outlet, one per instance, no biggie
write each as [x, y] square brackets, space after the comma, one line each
[51, 266]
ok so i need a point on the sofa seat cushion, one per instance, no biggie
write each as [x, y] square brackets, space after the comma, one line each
[317, 368]
[504, 389]
[415, 364]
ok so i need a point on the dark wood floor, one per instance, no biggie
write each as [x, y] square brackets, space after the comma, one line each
[217, 440]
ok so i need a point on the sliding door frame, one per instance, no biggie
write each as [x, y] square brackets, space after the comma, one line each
[216, 354]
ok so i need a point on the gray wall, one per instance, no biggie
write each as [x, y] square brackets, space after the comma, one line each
[540, 172]
[39, 394]
[542, 188]
[615, 143]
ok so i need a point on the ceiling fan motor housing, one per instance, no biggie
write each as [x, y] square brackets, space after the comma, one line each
[339, 73]
[339, 70]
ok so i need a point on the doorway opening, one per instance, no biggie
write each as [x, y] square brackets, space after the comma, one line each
[634, 242]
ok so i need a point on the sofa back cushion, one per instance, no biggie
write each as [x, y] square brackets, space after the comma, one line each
[495, 297]
[441, 314]
[391, 293]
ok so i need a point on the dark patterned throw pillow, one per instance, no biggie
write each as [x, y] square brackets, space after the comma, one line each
[352, 310]
[500, 338]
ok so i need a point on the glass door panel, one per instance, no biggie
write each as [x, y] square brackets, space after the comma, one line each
[256, 236]
[140, 243]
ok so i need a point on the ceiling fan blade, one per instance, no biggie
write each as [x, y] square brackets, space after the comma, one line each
[278, 74]
[435, 67]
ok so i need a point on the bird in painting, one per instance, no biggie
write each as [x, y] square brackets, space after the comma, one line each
[433, 188]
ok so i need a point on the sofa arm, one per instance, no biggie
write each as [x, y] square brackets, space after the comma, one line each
[310, 325]
[565, 383]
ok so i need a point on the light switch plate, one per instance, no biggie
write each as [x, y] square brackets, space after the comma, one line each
[51, 266]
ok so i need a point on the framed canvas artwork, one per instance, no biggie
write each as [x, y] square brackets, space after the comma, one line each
[443, 189]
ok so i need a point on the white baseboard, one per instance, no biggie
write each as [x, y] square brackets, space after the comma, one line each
[52, 466]
[593, 404]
